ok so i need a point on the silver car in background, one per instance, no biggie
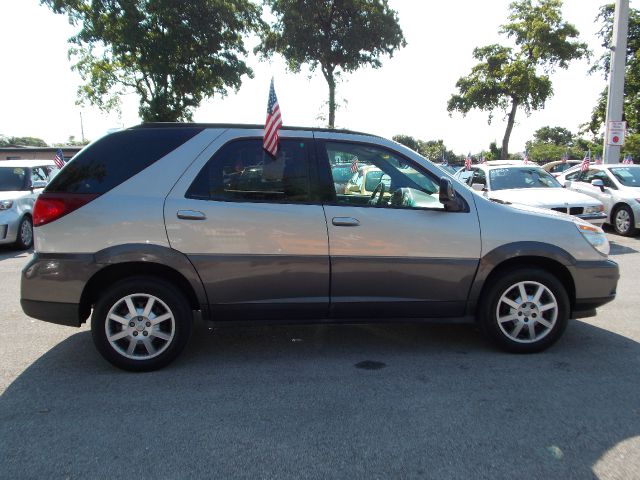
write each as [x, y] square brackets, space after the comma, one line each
[21, 181]
[617, 186]
[516, 182]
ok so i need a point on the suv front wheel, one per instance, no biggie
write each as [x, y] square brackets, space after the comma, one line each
[524, 311]
[141, 323]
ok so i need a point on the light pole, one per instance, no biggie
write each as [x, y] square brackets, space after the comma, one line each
[615, 97]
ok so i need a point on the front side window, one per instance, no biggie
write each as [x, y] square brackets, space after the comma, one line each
[627, 176]
[243, 171]
[380, 178]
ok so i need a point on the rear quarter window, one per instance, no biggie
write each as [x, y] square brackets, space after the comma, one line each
[115, 158]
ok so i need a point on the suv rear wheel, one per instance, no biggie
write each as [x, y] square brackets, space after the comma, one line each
[525, 311]
[141, 323]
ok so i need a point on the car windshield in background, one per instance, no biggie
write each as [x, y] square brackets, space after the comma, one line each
[629, 177]
[12, 179]
[341, 174]
[521, 177]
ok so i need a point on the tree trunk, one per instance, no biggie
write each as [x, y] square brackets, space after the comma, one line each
[504, 154]
[332, 100]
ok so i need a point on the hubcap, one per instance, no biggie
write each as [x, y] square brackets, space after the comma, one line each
[527, 312]
[26, 233]
[623, 221]
[140, 326]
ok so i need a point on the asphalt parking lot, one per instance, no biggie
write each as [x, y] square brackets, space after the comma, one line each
[369, 401]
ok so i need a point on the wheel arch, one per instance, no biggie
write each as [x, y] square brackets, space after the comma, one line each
[550, 258]
[615, 209]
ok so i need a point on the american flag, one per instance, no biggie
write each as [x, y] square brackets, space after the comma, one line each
[354, 165]
[526, 158]
[565, 157]
[59, 159]
[598, 159]
[482, 159]
[467, 162]
[273, 123]
[627, 160]
[584, 166]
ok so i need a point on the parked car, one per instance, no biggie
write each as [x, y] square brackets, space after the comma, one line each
[341, 173]
[617, 186]
[557, 167]
[517, 182]
[450, 169]
[159, 232]
[21, 181]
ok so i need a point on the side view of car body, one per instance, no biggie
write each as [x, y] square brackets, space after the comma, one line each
[617, 186]
[164, 224]
[517, 182]
[557, 167]
[21, 181]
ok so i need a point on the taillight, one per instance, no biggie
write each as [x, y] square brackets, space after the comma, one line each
[52, 206]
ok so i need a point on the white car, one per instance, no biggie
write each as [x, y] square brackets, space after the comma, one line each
[527, 184]
[21, 181]
[617, 186]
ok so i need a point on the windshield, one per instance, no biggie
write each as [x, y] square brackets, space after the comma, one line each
[341, 174]
[12, 179]
[627, 176]
[521, 177]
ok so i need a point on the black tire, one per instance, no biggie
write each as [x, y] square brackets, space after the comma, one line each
[621, 225]
[168, 337]
[515, 335]
[24, 238]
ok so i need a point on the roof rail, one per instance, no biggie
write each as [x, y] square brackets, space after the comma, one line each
[241, 125]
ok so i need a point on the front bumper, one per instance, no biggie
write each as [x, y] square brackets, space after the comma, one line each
[9, 224]
[598, 219]
[595, 284]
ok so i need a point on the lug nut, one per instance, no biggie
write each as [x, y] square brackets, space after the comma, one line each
[145, 333]
[135, 334]
[148, 324]
[131, 324]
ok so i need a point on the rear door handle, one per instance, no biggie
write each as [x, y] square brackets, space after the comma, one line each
[191, 215]
[345, 221]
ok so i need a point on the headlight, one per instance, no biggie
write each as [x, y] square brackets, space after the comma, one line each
[595, 236]
[6, 204]
[594, 209]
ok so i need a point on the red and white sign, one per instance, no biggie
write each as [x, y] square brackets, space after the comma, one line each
[615, 133]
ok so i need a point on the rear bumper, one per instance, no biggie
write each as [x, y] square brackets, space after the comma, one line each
[53, 312]
[595, 284]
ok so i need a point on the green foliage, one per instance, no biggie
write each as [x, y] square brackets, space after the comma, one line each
[21, 142]
[509, 78]
[551, 143]
[172, 54]
[632, 146]
[433, 150]
[72, 142]
[632, 70]
[336, 36]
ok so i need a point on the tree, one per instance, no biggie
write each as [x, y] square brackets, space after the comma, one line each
[632, 70]
[172, 54]
[509, 78]
[433, 150]
[21, 142]
[336, 36]
[72, 142]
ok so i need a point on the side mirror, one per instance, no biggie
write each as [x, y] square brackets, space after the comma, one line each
[478, 187]
[598, 183]
[448, 197]
[38, 184]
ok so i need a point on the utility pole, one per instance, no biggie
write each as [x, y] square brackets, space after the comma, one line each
[616, 80]
[81, 127]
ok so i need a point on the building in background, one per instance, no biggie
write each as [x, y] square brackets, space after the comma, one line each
[36, 153]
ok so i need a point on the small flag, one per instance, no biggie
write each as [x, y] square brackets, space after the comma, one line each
[526, 158]
[59, 159]
[584, 166]
[482, 159]
[627, 160]
[598, 160]
[272, 124]
[467, 162]
[565, 157]
[354, 165]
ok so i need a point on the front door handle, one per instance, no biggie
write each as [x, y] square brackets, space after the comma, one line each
[191, 215]
[345, 221]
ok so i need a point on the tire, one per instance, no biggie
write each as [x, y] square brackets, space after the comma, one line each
[524, 327]
[136, 340]
[623, 221]
[24, 238]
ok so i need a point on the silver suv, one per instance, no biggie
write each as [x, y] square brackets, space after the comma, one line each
[146, 226]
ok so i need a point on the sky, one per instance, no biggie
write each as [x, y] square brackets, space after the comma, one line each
[407, 95]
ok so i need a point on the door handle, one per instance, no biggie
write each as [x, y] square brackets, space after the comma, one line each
[191, 215]
[345, 221]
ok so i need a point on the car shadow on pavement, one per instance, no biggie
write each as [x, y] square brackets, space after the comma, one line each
[12, 252]
[365, 401]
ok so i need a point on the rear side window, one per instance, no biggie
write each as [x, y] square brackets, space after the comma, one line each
[243, 171]
[117, 157]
